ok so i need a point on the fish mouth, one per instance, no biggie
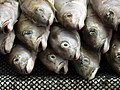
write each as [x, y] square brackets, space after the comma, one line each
[27, 68]
[92, 74]
[62, 68]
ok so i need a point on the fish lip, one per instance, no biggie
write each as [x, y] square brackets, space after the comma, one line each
[60, 66]
[27, 69]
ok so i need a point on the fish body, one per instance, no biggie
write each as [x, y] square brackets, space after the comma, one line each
[22, 59]
[95, 33]
[108, 11]
[41, 12]
[53, 61]
[64, 42]
[9, 13]
[71, 13]
[88, 63]
[31, 35]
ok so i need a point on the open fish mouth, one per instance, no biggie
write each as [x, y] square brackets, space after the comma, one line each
[62, 68]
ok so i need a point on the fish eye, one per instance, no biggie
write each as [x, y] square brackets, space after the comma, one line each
[85, 61]
[109, 15]
[39, 10]
[27, 32]
[117, 57]
[65, 45]
[52, 57]
[16, 60]
[92, 32]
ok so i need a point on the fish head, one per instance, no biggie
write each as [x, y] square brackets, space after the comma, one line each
[73, 18]
[54, 62]
[30, 33]
[111, 15]
[66, 43]
[21, 61]
[97, 36]
[88, 63]
[43, 15]
[93, 37]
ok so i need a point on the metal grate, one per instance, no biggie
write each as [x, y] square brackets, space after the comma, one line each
[41, 79]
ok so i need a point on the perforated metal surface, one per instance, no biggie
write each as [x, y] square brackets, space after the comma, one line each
[41, 79]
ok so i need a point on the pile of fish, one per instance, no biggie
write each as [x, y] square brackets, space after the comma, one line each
[60, 31]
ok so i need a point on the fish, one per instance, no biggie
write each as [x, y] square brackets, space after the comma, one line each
[66, 43]
[9, 12]
[71, 13]
[108, 11]
[95, 33]
[53, 61]
[31, 35]
[113, 55]
[22, 59]
[6, 42]
[88, 63]
[41, 12]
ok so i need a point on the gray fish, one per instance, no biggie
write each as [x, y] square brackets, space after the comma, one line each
[71, 13]
[108, 11]
[22, 59]
[8, 15]
[6, 42]
[53, 62]
[88, 63]
[95, 33]
[31, 35]
[113, 55]
[66, 43]
[41, 12]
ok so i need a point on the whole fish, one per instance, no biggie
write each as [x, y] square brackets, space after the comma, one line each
[41, 12]
[22, 59]
[31, 35]
[71, 13]
[6, 42]
[8, 15]
[113, 55]
[53, 62]
[108, 11]
[66, 43]
[88, 63]
[95, 33]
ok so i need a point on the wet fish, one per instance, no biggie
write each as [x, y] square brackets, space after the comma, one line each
[66, 43]
[88, 63]
[6, 42]
[71, 13]
[41, 12]
[95, 33]
[113, 55]
[22, 59]
[8, 15]
[53, 62]
[108, 11]
[31, 35]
